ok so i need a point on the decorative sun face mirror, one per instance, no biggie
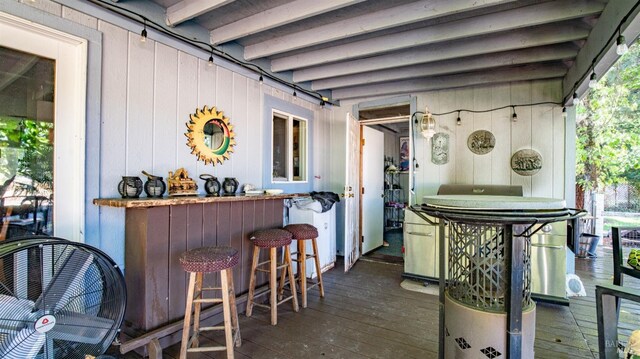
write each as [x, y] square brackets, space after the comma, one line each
[210, 135]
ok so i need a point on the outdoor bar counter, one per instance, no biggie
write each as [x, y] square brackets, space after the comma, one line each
[158, 230]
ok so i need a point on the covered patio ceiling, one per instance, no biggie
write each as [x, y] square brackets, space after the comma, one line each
[358, 49]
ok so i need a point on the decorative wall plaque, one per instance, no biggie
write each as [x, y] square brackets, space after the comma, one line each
[440, 148]
[526, 162]
[481, 142]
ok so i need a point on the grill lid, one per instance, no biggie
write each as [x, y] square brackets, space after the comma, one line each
[486, 190]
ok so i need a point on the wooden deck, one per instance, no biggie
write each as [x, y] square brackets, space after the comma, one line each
[366, 314]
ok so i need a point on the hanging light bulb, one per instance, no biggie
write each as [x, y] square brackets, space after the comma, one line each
[622, 47]
[592, 80]
[210, 60]
[294, 93]
[576, 100]
[514, 117]
[427, 125]
[143, 34]
[564, 113]
[260, 80]
[459, 121]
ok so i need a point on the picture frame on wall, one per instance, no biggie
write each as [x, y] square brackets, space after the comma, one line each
[404, 154]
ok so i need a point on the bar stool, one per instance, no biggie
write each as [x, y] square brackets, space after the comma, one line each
[272, 239]
[301, 233]
[208, 260]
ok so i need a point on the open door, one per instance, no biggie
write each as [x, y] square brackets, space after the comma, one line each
[372, 189]
[351, 194]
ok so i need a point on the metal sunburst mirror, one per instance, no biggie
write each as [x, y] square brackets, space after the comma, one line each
[210, 135]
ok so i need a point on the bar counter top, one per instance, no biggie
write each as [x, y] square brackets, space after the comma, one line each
[178, 200]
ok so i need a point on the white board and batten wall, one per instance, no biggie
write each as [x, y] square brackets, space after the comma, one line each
[541, 128]
[148, 91]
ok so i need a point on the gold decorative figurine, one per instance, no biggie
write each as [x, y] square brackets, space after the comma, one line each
[180, 184]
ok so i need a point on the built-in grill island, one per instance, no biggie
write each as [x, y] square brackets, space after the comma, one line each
[550, 246]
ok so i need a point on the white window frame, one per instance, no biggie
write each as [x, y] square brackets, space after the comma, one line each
[290, 119]
[70, 54]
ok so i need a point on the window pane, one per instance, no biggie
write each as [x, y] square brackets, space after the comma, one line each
[299, 150]
[26, 143]
[280, 148]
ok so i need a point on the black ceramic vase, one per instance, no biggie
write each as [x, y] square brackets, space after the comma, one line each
[211, 185]
[230, 186]
[155, 186]
[130, 187]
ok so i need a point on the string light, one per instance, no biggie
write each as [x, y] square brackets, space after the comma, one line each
[143, 34]
[564, 113]
[621, 47]
[514, 117]
[211, 60]
[576, 100]
[132, 15]
[459, 121]
[294, 93]
[593, 81]
[260, 80]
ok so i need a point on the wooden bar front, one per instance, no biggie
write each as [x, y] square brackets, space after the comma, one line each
[156, 236]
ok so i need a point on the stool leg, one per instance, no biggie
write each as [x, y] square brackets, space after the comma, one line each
[196, 316]
[292, 280]
[283, 276]
[252, 281]
[318, 269]
[234, 309]
[273, 280]
[226, 312]
[187, 316]
[302, 270]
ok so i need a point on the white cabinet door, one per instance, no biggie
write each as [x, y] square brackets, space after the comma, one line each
[325, 223]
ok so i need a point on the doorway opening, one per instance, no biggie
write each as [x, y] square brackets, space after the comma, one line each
[384, 178]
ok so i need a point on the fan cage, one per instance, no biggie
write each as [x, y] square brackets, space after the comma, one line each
[58, 299]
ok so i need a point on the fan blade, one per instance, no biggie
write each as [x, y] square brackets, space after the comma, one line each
[67, 278]
[82, 328]
[14, 314]
[24, 344]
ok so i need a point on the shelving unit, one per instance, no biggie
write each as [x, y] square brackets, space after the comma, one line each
[393, 200]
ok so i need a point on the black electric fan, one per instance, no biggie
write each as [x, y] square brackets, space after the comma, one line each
[58, 299]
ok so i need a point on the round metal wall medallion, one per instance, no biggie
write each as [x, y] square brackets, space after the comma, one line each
[481, 142]
[526, 162]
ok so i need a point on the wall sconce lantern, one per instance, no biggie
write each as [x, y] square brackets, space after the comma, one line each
[427, 125]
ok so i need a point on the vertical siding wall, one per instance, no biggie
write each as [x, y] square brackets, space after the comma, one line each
[148, 91]
[538, 127]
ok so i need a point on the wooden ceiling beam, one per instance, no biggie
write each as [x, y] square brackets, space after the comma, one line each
[522, 73]
[188, 9]
[509, 20]
[517, 39]
[467, 64]
[380, 20]
[277, 16]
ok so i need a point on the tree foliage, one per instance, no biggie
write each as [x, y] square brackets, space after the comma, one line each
[608, 127]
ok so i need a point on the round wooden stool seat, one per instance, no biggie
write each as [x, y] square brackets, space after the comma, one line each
[209, 259]
[271, 238]
[302, 231]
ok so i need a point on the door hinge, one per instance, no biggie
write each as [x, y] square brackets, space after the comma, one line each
[362, 239]
[362, 190]
[362, 141]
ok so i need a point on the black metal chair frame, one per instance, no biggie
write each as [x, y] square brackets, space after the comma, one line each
[608, 299]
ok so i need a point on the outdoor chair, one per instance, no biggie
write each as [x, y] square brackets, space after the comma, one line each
[608, 299]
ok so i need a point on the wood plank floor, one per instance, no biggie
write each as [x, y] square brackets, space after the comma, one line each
[366, 314]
